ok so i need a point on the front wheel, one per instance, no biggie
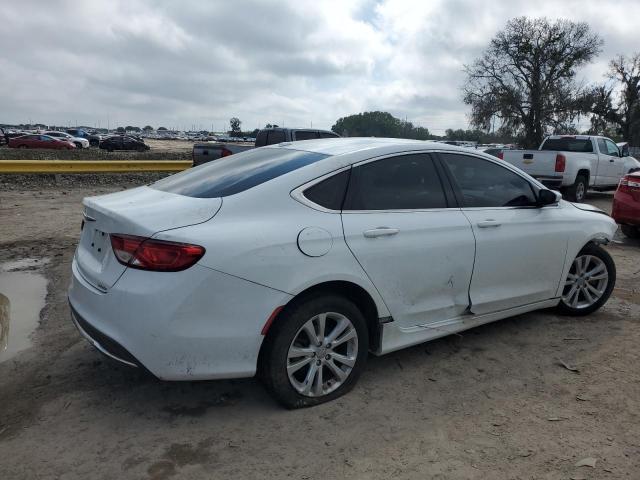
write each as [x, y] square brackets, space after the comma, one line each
[589, 283]
[315, 351]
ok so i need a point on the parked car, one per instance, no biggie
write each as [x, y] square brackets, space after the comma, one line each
[626, 205]
[93, 138]
[572, 164]
[41, 141]
[123, 142]
[7, 134]
[631, 164]
[295, 263]
[496, 152]
[205, 152]
[77, 141]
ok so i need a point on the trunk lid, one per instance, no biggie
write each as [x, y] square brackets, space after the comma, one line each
[141, 211]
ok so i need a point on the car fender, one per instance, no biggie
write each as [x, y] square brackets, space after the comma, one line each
[591, 226]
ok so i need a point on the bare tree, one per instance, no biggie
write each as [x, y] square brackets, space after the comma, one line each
[526, 77]
[626, 72]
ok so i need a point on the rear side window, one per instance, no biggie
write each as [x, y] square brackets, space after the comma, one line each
[275, 136]
[261, 139]
[486, 184]
[396, 183]
[236, 173]
[306, 135]
[330, 192]
[568, 144]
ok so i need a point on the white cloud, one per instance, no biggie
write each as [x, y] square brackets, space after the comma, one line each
[293, 63]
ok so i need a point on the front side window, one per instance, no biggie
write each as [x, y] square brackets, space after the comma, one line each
[486, 184]
[612, 148]
[396, 183]
[236, 173]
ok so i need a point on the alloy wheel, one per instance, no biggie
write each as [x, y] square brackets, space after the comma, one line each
[580, 192]
[322, 354]
[586, 282]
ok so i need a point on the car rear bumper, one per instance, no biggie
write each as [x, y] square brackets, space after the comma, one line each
[191, 325]
[553, 183]
[625, 209]
[103, 343]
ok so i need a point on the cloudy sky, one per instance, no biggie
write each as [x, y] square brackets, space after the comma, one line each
[294, 63]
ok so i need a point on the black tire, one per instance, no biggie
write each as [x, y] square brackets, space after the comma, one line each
[630, 231]
[273, 358]
[78, 144]
[23, 146]
[599, 252]
[578, 191]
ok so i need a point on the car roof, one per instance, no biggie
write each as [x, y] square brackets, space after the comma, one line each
[348, 145]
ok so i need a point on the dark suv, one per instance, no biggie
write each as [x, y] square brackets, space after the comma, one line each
[123, 142]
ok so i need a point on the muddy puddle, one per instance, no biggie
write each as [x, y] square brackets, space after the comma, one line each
[23, 289]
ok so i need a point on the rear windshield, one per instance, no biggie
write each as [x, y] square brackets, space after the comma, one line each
[236, 173]
[568, 144]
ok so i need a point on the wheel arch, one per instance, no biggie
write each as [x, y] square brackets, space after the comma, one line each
[585, 172]
[353, 292]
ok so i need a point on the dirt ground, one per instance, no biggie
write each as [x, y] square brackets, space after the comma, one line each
[492, 403]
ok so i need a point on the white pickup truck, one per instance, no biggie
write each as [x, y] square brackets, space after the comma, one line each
[574, 163]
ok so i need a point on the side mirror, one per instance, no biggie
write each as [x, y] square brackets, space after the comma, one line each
[548, 197]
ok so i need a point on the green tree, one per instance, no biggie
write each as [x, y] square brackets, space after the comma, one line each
[148, 128]
[235, 123]
[378, 124]
[164, 129]
[120, 129]
[526, 77]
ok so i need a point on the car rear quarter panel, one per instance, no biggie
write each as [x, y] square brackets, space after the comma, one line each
[254, 236]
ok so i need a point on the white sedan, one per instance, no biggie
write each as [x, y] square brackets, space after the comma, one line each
[297, 260]
[77, 141]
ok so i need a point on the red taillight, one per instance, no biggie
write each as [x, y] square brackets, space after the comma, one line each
[226, 152]
[561, 163]
[629, 183]
[158, 255]
[501, 155]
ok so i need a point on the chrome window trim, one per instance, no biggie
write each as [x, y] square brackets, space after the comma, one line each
[298, 192]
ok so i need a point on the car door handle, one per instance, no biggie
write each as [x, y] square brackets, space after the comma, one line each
[489, 224]
[380, 232]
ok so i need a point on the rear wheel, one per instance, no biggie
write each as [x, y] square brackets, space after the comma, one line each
[589, 283]
[78, 144]
[578, 191]
[22, 146]
[630, 231]
[315, 351]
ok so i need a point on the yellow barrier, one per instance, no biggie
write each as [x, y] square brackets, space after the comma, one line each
[92, 166]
